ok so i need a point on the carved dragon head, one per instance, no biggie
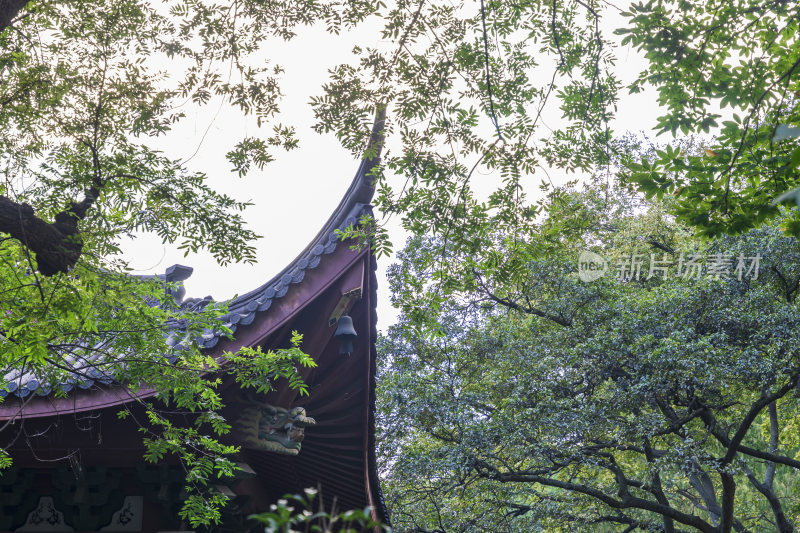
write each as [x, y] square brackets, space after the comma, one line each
[266, 427]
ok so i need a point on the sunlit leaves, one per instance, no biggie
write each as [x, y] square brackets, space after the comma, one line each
[296, 513]
[87, 90]
[710, 60]
[441, 127]
[250, 366]
[204, 459]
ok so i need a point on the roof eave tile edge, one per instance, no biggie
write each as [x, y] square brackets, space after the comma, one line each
[242, 310]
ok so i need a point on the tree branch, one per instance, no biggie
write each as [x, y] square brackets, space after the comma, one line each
[733, 445]
[783, 524]
[515, 306]
[9, 9]
[658, 491]
[57, 245]
[626, 502]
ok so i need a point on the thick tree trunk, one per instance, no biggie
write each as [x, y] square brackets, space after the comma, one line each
[9, 9]
[728, 500]
[57, 246]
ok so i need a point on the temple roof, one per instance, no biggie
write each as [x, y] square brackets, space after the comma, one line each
[242, 310]
[339, 453]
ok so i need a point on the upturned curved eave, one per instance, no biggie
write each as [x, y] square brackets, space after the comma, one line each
[27, 397]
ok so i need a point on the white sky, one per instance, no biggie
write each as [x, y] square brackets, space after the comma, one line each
[296, 194]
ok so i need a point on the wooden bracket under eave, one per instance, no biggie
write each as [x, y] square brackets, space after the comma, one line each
[351, 287]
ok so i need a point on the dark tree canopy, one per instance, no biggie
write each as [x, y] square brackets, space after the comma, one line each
[635, 405]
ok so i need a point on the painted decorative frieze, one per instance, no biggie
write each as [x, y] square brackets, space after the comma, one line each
[128, 517]
[45, 517]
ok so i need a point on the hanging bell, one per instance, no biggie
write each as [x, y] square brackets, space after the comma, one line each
[346, 334]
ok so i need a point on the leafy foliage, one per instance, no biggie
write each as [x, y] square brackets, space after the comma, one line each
[250, 365]
[87, 91]
[528, 89]
[468, 89]
[88, 87]
[743, 90]
[295, 513]
[640, 404]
